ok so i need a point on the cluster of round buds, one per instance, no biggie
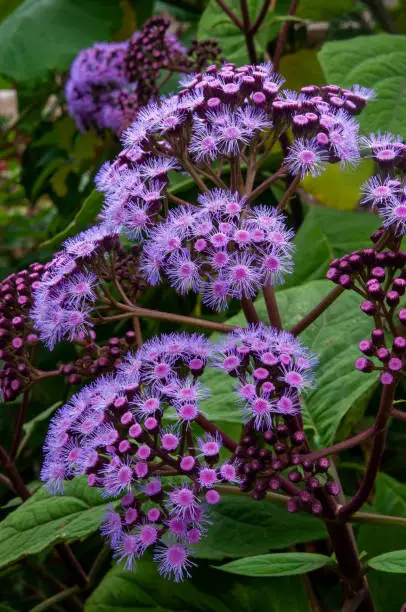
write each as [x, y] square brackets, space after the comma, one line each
[116, 431]
[380, 278]
[272, 461]
[272, 369]
[17, 334]
[150, 51]
[67, 292]
[109, 82]
[221, 249]
[96, 359]
[221, 112]
[386, 191]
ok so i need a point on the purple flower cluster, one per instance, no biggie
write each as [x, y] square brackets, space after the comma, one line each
[221, 249]
[18, 335]
[272, 369]
[117, 432]
[69, 287]
[386, 191]
[109, 82]
[135, 187]
[222, 111]
[380, 278]
[132, 431]
[96, 77]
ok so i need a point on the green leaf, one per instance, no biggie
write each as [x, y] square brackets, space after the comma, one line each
[340, 389]
[390, 498]
[207, 591]
[393, 562]
[44, 35]
[45, 520]
[328, 234]
[240, 527]
[215, 23]
[83, 218]
[301, 68]
[377, 62]
[338, 188]
[30, 426]
[320, 10]
[277, 564]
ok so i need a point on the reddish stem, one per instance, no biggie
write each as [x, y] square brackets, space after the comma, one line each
[261, 16]
[283, 34]
[272, 307]
[19, 424]
[224, 7]
[378, 447]
[340, 446]
[249, 37]
[249, 310]
[317, 311]
[266, 183]
[207, 425]
[398, 414]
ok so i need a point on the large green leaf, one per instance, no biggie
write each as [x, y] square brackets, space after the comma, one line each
[46, 520]
[324, 235]
[214, 23]
[277, 564]
[241, 527]
[390, 498]
[208, 591]
[377, 62]
[337, 187]
[43, 35]
[340, 389]
[393, 562]
[82, 220]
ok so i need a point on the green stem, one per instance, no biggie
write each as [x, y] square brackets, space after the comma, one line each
[51, 601]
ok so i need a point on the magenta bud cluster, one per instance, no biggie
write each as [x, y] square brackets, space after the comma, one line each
[272, 461]
[17, 334]
[380, 278]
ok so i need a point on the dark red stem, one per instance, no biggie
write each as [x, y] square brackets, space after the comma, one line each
[249, 38]
[249, 310]
[224, 7]
[340, 446]
[317, 311]
[280, 43]
[272, 307]
[398, 414]
[207, 425]
[261, 16]
[19, 424]
[378, 447]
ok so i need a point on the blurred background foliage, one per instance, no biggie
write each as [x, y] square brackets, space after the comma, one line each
[47, 193]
